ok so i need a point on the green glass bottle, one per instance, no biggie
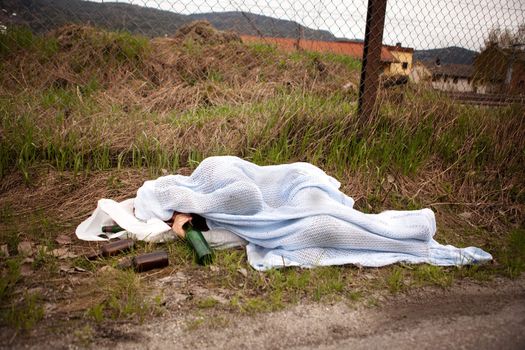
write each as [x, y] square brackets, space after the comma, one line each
[199, 244]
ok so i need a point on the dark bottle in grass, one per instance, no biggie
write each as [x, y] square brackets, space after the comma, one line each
[112, 229]
[114, 248]
[199, 245]
[146, 262]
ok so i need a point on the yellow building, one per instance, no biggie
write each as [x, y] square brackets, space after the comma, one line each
[403, 62]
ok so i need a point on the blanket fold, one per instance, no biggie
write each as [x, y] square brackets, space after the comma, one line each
[294, 214]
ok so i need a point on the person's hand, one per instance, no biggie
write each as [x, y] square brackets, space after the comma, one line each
[179, 220]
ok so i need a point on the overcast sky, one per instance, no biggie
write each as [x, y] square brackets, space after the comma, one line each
[420, 24]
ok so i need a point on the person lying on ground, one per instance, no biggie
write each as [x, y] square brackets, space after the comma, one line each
[294, 214]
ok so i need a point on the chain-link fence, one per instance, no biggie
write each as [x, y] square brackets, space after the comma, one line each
[468, 50]
[72, 60]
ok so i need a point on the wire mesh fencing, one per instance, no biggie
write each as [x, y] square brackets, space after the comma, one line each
[468, 50]
[165, 58]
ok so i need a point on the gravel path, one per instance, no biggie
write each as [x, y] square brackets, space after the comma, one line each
[466, 316]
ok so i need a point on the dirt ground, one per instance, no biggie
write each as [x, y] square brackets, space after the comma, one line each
[469, 315]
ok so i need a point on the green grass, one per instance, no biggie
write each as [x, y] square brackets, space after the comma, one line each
[17, 38]
[257, 305]
[107, 48]
[124, 297]
[329, 282]
[274, 289]
[395, 281]
[44, 260]
[180, 253]
[96, 312]
[476, 272]
[119, 46]
[10, 234]
[433, 275]
[355, 295]
[195, 324]
[10, 276]
[263, 50]
[192, 47]
[26, 314]
[37, 226]
[401, 278]
[513, 258]
[58, 129]
[450, 153]
[130, 47]
[207, 303]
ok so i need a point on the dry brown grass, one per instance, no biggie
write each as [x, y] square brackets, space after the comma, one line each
[199, 66]
[99, 113]
[69, 199]
[165, 96]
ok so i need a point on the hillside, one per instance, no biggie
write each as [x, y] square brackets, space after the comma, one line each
[447, 55]
[251, 24]
[44, 15]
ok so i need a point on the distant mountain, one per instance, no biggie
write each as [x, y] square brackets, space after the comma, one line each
[447, 55]
[44, 15]
[251, 24]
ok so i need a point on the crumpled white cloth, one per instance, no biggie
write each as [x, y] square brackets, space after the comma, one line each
[294, 214]
[109, 212]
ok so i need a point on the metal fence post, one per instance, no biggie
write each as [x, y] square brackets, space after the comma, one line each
[371, 68]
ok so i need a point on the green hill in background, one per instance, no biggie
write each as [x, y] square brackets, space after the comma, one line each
[44, 15]
[447, 55]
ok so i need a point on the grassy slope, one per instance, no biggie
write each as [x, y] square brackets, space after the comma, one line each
[89, 114]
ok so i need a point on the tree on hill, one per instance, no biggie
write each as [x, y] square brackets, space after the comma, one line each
[505, 37]
[501, 62]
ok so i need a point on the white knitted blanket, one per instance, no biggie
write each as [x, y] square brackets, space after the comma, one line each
[294, 214]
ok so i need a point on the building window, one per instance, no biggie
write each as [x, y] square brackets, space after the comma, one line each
[404, 65]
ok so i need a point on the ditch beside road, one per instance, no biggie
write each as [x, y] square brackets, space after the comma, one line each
[468, 315]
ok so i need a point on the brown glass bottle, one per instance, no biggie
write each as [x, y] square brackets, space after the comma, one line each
[116, 247]
[150, 261]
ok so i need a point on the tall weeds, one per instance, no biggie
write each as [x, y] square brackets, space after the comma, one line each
[167, 103]
[306, 127]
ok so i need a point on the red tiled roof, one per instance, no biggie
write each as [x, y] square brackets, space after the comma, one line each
[399, 48]
[350, 48]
